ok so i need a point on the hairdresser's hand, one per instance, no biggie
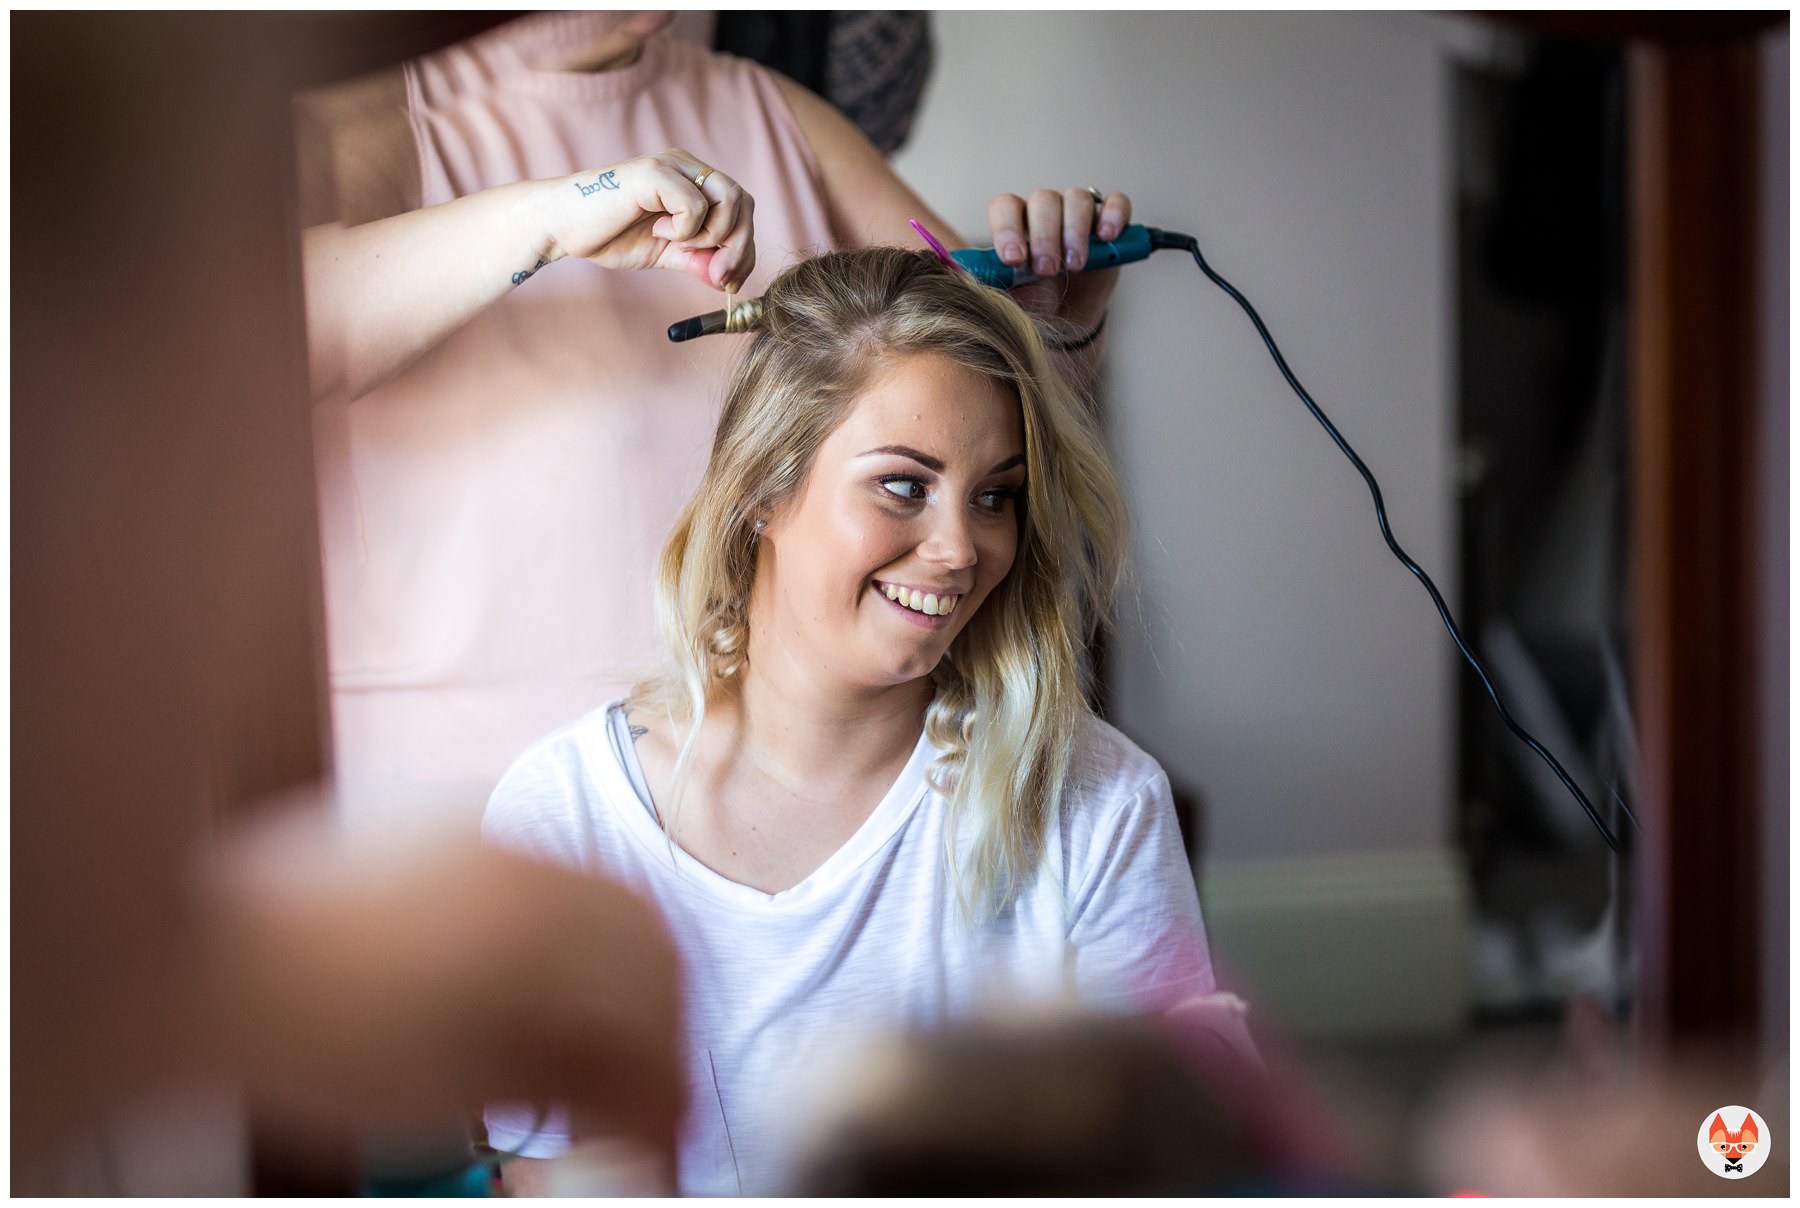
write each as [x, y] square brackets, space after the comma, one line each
[398, 985]
[649, 213]
[382, 293]
[1048, 233]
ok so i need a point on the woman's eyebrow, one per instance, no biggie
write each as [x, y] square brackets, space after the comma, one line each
[1017, 459]
[934, 464]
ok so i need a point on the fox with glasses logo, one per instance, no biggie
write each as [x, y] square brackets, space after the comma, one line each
[1730, 1145]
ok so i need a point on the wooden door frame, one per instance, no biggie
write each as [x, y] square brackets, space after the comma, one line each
[1697, 503]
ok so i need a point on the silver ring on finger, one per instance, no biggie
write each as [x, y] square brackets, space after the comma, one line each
[1099, 197]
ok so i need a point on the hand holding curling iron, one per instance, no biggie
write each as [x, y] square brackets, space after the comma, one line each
[1047, 233]
[381, 293]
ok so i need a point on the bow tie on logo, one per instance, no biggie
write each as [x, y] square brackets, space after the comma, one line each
[1739, 1167]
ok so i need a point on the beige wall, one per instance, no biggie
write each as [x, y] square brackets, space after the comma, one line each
[1279, 660]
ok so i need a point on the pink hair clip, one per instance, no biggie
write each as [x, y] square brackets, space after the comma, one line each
[931, 239]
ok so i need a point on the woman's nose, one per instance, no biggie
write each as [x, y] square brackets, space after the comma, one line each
[950, 543]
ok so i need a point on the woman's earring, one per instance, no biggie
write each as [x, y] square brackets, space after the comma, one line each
[760, 525]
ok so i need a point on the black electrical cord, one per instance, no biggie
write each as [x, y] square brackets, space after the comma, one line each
[1187, 243]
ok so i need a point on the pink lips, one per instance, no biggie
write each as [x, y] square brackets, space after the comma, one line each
[917, 618]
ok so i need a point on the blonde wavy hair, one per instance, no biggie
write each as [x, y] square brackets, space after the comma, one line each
[1011, 692]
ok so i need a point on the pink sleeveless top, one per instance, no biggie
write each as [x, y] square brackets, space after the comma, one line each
[491, 518]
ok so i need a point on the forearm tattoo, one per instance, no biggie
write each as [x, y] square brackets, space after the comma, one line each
[519, 277]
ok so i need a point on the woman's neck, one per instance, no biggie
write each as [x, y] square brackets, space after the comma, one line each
[811, 737]
[581, 42]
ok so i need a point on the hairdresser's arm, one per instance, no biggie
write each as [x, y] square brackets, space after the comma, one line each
[380, 294]
[868, 203]
[865, 198]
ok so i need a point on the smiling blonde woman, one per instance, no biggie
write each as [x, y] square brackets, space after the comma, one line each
[867, 790]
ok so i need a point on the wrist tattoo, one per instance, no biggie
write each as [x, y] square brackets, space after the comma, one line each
[606, 180]
[519, 277]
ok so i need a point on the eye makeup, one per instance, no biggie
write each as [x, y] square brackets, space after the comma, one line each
[890, 481]
[1002, 496]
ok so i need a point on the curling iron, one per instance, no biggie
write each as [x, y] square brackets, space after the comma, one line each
[1132, 244]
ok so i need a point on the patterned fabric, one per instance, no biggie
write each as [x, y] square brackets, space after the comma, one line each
[875, 71]
[871, 65]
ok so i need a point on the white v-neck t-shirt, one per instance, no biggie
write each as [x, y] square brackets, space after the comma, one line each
[872, 940]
